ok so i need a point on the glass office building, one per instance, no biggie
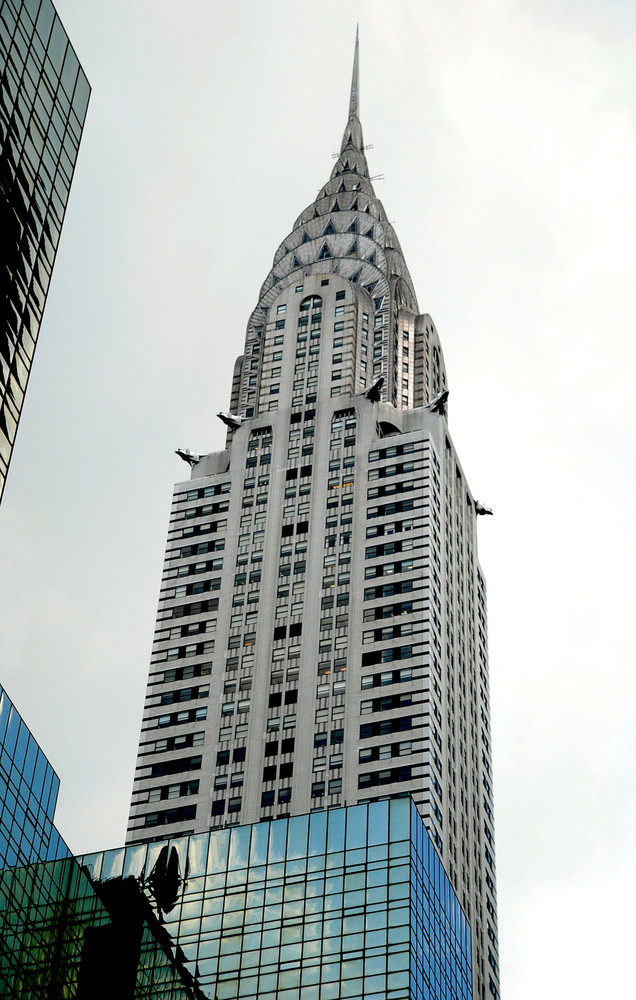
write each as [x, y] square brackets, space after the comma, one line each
[43, 99]
[351, 902]
[62, 937]
[28, 794]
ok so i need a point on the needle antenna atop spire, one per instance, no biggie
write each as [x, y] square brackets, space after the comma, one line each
[354, 102]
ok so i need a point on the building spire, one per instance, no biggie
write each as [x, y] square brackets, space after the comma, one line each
[353, 132]
[354, 101]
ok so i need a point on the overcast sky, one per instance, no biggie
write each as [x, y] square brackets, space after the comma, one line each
[505, 131]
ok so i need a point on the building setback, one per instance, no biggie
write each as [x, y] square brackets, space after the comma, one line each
[321, 634]
[43, 99]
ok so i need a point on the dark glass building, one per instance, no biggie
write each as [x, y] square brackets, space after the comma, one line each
[62, 936]
[43, 99]
[28, 794]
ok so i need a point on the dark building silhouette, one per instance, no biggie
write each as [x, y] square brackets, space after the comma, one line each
[43, 99]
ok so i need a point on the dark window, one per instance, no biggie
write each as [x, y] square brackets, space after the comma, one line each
[385, 726]
[267, 799]
[269, 772]
[387, 655]
[287, 746]
[218, 807]
[238, 755]
[286, 770]
[271, 748]
[165, 816]
[337, 736]
[386, 777]
[176, 766]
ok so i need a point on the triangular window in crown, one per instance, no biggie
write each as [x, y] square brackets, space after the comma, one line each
[306, 237]
[355, 168]
[356, 186]
[371, 259]
[369, 233]
[355, 278]
[346, 164]
[275, 279]
[369, 288]
[378, 302]
[353, 228]
[329, 229]
[353, 249]
[296, 262]
[336, 206]
[324, 253]
[354, 207]
[349, 139]
[315, 215]
[342, 187]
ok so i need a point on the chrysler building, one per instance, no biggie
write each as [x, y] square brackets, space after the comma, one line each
[321, 637]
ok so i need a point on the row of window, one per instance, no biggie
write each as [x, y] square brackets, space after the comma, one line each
[181, 718]
[387, 471]
[389, 548]
[208, 491]
[186, 672]
[388, 569]
[196, 608]
[392, 452]
[185, 694]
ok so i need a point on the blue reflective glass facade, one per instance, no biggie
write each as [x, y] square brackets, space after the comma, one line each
[43, 99]
[28, 794]
[349, 902]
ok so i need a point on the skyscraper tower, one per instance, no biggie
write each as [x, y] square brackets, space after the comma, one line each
[321, 634]
[44, 96]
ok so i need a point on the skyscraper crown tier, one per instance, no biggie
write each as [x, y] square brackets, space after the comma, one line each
[321, 634]
[345, 234]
